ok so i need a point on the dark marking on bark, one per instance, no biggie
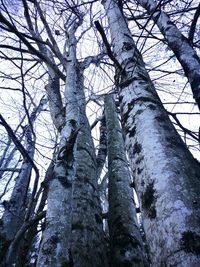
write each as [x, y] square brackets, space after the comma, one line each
[120, 99]
[148, 196]
[132, 184]
[190, 242]
[137, 148]
[127, 82]
[132, 132]
[139, 111]
[152, 107]
[140, 159]
[64, 181]
[152, 212]
[161, 118]
[148, 200]
[54, 239]
[139, 170]
[169, 22]
[167, 28]
[125, 117]
[126, 129]
[127, 46]
[77, 226]
[98, 218]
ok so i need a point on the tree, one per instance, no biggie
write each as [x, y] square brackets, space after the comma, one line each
[61, 214]
[167, 192]
[125, 238]
[180, 45]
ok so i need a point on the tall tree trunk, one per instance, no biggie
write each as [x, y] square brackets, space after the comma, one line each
[14, 214]
[178, 43]
[54, 249]
[125, 239]
[166, 174]
[87, 242]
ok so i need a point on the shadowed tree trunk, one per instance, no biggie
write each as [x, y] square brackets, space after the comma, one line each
[125, 239]
[168, 191]
[87, 242]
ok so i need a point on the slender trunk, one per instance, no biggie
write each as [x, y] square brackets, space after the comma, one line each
[87, 242]
[179, 44]
[165, 173]
[14, 214]
[125, 239]
[23, 257]
[102, 149]
[54, 249]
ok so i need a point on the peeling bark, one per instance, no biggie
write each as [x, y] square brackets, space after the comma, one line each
[179, 44]
[166, 174]
[125, 239]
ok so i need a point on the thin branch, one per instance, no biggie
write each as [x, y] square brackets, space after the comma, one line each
[107, 45]
[193, 25]
[32, 49]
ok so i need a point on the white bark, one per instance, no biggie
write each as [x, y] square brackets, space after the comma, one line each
[54, 250]
[166, 175]
[125, 239]
[179, 44]
[57, 111]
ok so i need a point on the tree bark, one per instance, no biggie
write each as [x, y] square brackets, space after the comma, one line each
[88, 246]
[14, 214]
[179, 44]
[54, 249]
[165, 173]
[125, 239]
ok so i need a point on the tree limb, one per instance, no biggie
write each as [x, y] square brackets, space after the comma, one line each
[107, 45]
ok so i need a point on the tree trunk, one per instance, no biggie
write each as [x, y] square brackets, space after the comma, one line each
[54, 249]
[179, 44]
[125, 239]
[87, 242]
[165, 173]
[14, 214]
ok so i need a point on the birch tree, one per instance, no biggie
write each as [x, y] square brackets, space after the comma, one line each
[55, 241]
[178, 43]
[125, 239]
[167, 191]
[61, 54]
